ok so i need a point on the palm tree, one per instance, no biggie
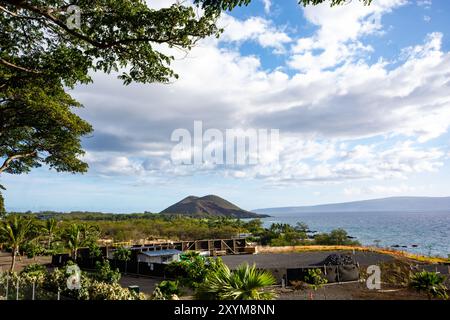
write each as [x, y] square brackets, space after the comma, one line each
[15, 232]
[72, 239]
[123, 254]
[50, 228]
[77, 236]
[244, 283]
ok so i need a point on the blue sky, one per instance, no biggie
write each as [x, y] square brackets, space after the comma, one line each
[361, 96]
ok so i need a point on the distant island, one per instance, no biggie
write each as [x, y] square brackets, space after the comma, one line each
[392, 204]
[209, 206]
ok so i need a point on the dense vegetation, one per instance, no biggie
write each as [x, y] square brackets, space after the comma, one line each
[139, 226]
[211, 279]
[431, 283]
[244, 283]
[44, 234]
[99, 285]
[217, 282]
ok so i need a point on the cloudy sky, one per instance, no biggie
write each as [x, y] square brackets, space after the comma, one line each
[360, 95]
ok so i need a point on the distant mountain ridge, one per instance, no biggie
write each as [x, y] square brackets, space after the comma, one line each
[392, 204]
[209, 205]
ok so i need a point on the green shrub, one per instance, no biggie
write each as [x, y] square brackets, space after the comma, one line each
[315, 279]
[90, 288]
[244, 283]
[166, 290]
[431, 283]
[34, 268]
[107, 291]
[104, 273]
[192, 269]
[32, 249]
[335, 237]
[122, 254]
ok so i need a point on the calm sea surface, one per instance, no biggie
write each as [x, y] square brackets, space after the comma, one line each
[429, 231]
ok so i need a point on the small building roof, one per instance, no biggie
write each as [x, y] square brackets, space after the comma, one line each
[158, 253]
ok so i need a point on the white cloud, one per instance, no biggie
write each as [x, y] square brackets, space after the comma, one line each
[323, 115]
[362, 100]
[256, 29]
[339, 30]
[300, 163]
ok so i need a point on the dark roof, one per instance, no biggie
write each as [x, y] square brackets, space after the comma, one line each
[157, 253]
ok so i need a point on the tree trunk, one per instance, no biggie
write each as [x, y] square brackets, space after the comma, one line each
[13, 260]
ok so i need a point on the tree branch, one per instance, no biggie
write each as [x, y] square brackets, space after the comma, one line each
[47, 13]
[8, 160]
[8, 12]
[12, 65]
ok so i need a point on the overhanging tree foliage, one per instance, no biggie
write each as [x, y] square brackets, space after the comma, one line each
[42, 55]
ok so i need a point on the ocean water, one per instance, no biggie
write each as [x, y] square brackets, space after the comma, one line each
[430, 231]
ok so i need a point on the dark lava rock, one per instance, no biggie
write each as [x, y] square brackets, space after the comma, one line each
[337, 260]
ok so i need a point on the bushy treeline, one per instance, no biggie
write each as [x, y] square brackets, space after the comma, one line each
[283, 234]
[26, 234]
[176, 228]
[137, 226]
[87, 215]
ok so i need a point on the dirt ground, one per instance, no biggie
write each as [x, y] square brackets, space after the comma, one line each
[350, 291]
[5, 261]
[337, 291]
[301, 259]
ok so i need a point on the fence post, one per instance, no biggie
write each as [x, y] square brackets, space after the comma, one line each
[34, 287]
[7, 286]
[17, 289]
[58, 295]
